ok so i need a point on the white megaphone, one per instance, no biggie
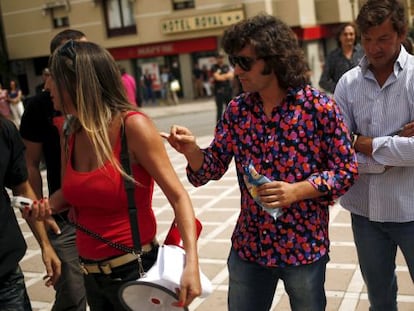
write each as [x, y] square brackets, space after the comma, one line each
[156, 291]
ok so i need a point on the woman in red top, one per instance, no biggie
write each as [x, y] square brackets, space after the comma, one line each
[85, 83]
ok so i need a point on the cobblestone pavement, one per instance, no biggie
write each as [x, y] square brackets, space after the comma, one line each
[217, 206]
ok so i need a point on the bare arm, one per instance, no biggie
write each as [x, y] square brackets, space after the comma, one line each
[33, 157]
[223, 76]
[50, 259]
[148, 149]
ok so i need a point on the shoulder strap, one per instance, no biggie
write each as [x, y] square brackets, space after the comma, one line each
[130, 189]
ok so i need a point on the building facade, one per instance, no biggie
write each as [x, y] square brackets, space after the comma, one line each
[146, 35]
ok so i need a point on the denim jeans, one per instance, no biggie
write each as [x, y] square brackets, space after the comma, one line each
[70, 289]
[376, 245]
[252, 287]
[13, 293]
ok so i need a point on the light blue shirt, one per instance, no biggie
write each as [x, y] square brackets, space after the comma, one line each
[380, 112]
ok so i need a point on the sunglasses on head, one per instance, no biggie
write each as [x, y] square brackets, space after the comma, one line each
[68, 50]
[244, 62]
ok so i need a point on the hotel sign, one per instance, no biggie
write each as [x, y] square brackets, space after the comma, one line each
[201, 22]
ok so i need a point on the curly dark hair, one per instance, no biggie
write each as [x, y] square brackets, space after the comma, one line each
[375, 12]
[274, 42]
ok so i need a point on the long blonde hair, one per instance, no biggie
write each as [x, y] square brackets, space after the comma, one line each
[92, 79]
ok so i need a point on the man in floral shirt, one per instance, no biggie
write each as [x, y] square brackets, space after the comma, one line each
[298, 145]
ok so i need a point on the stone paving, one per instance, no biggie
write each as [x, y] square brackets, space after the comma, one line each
[217, 205]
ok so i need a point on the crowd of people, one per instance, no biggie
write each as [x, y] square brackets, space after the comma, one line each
[350, 141]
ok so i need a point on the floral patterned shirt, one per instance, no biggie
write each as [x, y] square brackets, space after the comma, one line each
[305, 139]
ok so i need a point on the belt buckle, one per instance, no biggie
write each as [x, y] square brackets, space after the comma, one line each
[105, 268]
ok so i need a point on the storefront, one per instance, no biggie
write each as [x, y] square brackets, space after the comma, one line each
[177, 55]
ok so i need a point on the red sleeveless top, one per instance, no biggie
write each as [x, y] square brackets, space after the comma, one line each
[101, 205]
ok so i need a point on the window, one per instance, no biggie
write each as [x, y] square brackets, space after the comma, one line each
[59, 22]
[119, 16]
[183, 4]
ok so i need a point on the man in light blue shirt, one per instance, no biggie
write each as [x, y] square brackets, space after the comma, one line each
[377, 100]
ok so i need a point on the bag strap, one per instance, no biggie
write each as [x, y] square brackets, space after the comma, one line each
[130, 191]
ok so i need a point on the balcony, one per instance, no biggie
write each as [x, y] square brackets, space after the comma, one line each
[58, 4]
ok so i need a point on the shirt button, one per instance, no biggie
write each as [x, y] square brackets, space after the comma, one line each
[264, 232]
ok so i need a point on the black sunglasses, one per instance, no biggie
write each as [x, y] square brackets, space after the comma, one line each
[68, 50]
[244, 62]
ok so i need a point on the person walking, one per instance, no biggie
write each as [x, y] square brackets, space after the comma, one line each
[222, 77]
[86, 84]
[377, 102]
[293, 157]
[346, 56]
[41, 129]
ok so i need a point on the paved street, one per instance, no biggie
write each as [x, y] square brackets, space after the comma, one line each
[217, 206]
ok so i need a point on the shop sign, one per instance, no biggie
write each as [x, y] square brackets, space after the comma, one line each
[201, 22]
[165, 48]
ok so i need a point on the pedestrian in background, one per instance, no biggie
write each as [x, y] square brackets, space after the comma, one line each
[198, 81]
[206, 77]
[41, 87]
[41, 128]
[291, 139]
[15, 99]
[169, 87]
[130, 86]
[148, 81]
[86, 84]
[222, 77]
[377, 100]
[346, 56]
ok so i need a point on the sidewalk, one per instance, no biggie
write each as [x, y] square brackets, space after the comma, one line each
[217, 206]
[185, 107]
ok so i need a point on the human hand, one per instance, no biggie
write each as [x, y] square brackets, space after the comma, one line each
[39, 210]
[277, 194]
[181, 139]
[407, 130]
[52, 264]
[51, 225]
[190, 287]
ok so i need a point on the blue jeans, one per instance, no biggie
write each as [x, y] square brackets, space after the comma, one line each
[70, 289]
[376, 245]
[252, 287]
[13, 293]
